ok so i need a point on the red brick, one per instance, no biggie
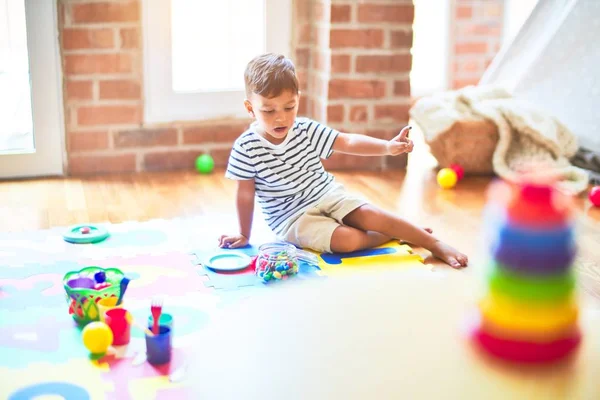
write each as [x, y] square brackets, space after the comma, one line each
[79, 90]
[401, 39]
[82, 38]
[340, 63]
[113, 63]
[394, 112]
[318, 11]
[335, 113]
[469, 66]
[107, 115]
[471, 48]
[302, 79]
[400, 13]
[88, 141]
[402, 88]
[460, 83]
[464, 12]
[302, 58]
[94, 164]
[302, 11]
[304, 34]
[361, 38]
[146, 138]
[303, 106]
[359, 114]
[119, 89]
[319, 60]
[340, 12]
[218, 133]
[385, 134]
[121, 11]
[130, 38]
[357, 89]
[378, 63]
[480, 30]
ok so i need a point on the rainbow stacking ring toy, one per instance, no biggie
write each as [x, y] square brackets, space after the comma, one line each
[529, 313]
[85, 234]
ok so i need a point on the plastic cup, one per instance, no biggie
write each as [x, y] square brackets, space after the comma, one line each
[121, 329]
[159, 347]
[163, 320]
[107, 303]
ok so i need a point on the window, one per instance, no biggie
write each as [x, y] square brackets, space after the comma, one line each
[429, 73]
[195, 53]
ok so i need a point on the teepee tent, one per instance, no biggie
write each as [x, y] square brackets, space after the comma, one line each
[554, 63]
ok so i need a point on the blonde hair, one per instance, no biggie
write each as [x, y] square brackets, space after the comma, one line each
[269, 75]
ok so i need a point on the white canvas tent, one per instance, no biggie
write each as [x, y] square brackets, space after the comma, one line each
[554, 63]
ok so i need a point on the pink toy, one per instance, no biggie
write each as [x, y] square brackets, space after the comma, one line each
[594, 196]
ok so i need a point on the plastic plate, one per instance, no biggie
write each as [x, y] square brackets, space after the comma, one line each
[228, 262]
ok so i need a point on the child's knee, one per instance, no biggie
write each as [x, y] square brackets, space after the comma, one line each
[346, 240]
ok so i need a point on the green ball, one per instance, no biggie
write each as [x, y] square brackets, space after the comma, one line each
[205, 164]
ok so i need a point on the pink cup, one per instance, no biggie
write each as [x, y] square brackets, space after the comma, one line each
[116, 320]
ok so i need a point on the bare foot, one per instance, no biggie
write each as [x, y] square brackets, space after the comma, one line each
[449, 255]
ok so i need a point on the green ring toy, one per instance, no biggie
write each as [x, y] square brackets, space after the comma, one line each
[539, 289]
[85, 233]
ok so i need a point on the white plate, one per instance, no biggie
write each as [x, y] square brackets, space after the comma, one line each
[228, 261]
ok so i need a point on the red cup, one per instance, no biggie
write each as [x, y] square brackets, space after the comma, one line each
[117, 322]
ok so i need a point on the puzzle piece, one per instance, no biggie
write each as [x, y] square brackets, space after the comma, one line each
[391, 255]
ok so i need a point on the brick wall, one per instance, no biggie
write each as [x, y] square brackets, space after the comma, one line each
[355, 62]
[353, 59]
[477, 36]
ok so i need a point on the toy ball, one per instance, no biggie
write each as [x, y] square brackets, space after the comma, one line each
[97, 337]
[594, 196]
[447, 178]
[460, 172]
[205, 164]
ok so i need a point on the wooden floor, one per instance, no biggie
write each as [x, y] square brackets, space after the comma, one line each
[454, 215]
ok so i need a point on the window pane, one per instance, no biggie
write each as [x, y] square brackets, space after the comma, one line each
[16, 127]
[212, 42]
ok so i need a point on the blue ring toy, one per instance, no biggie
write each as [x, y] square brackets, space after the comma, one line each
[68, 391]
[96, 234]
[541, 262]
[534, 239]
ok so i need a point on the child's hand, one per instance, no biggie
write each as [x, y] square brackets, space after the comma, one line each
[232, 241]
[401, 143]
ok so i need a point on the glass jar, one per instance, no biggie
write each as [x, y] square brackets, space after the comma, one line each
[279, 260]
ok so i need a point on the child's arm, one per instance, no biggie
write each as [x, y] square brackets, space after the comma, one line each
[245, 211]
[369, 146]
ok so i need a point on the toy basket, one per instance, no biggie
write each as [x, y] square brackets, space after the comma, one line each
[82, 297]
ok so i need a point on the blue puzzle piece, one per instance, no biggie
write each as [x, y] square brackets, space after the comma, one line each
[337, 257]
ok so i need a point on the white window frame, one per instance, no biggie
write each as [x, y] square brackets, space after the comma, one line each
[161, 103]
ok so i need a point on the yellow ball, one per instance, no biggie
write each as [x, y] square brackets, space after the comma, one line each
[447, 178]
[97, 337]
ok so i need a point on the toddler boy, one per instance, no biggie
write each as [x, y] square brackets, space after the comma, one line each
[278, 160]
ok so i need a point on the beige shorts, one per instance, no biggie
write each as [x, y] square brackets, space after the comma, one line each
[315, 227]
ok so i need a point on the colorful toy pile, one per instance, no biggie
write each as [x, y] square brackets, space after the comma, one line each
[529, 313]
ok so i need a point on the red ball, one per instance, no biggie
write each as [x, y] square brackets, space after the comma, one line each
[460, 172]
[594, 196]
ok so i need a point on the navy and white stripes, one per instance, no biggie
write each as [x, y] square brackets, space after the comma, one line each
[289, 177]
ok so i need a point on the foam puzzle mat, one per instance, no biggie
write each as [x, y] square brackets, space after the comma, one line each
[41, 349]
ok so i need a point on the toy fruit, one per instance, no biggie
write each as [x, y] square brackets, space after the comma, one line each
[447, 178]
[97, 337]
[594, 196]
[205, 164]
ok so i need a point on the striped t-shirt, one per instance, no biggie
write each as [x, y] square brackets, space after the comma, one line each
[289, 177]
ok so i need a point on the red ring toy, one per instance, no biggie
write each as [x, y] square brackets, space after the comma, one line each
[527, 352]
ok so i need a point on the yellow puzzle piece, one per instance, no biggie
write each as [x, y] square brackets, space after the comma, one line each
[387, 256]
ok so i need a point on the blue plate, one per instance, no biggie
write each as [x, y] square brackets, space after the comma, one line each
[228, 261]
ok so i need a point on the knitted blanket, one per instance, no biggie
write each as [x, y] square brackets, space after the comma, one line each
[526, 136]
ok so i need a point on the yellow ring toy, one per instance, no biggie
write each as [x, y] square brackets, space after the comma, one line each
[530, 319]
